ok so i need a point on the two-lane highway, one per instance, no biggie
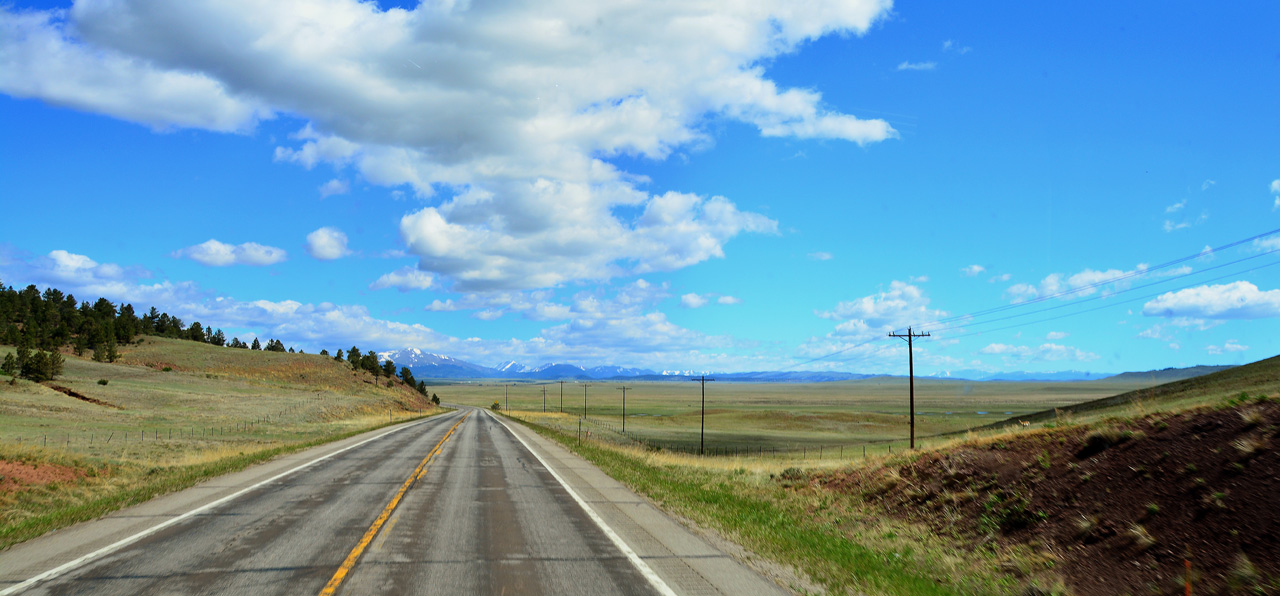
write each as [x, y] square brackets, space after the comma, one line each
[455, 504]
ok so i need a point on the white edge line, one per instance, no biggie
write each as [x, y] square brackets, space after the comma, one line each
[68, 566]
[635, 559]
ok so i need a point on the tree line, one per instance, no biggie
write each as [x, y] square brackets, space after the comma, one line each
[39, 324]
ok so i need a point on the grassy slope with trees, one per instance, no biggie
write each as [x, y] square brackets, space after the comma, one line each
[103, 409]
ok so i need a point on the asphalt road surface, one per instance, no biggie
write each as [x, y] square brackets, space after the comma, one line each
[456, 504]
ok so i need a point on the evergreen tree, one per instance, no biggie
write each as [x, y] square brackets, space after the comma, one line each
[406, 375]
[256, 345]
[23, 353]
[435, 399]
[324, 352]
[354, 356]
[10, 365]
[338, 356]
[389, 369]
[218, 338]
[36, 367]
[53, 365]
[196, 332]
[112, 354]
[422, 388]
[290, 350]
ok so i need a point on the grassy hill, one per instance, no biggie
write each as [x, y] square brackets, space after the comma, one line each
[165, 415]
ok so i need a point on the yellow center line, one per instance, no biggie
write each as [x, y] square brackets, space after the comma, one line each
[418, 472]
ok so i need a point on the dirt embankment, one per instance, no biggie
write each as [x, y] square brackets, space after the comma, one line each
[1117, 508]
[17, 475]
[80, 396]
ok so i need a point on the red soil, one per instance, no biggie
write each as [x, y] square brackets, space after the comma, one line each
[15, 475]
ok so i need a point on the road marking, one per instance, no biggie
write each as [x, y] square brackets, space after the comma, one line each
[372, 532]
[68, 566]
[645, 570]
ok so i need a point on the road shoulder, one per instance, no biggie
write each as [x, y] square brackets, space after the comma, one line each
[692, 560]
[60, 547]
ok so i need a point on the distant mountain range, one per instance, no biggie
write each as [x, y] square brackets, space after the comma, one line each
[436, 366]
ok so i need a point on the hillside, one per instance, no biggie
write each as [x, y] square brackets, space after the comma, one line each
[1263, 376]
[169, 413]
[1117, 506]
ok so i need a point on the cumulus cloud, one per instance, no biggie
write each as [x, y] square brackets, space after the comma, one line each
[1055, 335]
[728, 300]
[1236, 300]
[820, 256]
[327, 244]
[1231, 345]
[405, 279]
[692, 301]
[503, 114]
[1083, 283]
[863, 321]
[1275, 186]
[334, 187]
[972, 270]
[1047, 352]
[905, 65]
[219, 254]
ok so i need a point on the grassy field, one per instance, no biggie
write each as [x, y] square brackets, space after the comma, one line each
[148, 430]
[790, 416]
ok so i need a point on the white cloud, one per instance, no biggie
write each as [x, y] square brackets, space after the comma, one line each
[820, 256]
[327, 244]
[334, 187]
[728, 300]
[508, 111]
[692, 301]
[917, 65]
[1207, 183]
[1083, 283]
[1170, 226]
[1236, 300]
[1231, 345]
[1276, 205]
[219, 254]
[1047, 352]
[40, 59]
[1055, 335]
[919, 279]
[405, 279]
[952, 46]
[972, 270]
[1003, 277]
[1176, 207]
[1275, 186]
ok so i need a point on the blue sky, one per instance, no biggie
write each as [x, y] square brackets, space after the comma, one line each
[679, 188]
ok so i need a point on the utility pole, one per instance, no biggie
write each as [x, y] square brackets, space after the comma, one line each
[624, 409]
[584, 399]
[504, 397]
[544, 399]
[702, 431]
[911, 371]
[561, 397]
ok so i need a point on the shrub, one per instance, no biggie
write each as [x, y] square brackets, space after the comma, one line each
[1099, 440]
[793, 474]
[167, 369]
[497, 407]
[102, 381]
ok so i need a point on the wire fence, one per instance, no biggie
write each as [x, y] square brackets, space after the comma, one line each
[586, 427]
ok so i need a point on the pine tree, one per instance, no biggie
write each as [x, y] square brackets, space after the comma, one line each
[388, 369]
[112, 354]
[324, 352]
[256, 345]
[54, 364]
[37, 366]
[10, 366]
[338, 356]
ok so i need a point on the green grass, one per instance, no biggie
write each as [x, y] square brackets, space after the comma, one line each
[834, 540]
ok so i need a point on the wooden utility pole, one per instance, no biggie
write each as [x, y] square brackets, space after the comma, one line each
[544, 399]
[624, 409]
[561, 397]
[505, 398]
[702, 431]
[911, 371]
[584, 399]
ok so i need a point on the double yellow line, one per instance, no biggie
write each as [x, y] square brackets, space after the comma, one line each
[418, 472]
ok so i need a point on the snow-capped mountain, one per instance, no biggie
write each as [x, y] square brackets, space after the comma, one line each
[511, 367]
[428, 365]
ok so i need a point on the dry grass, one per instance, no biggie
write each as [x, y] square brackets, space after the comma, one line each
[217, 409]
